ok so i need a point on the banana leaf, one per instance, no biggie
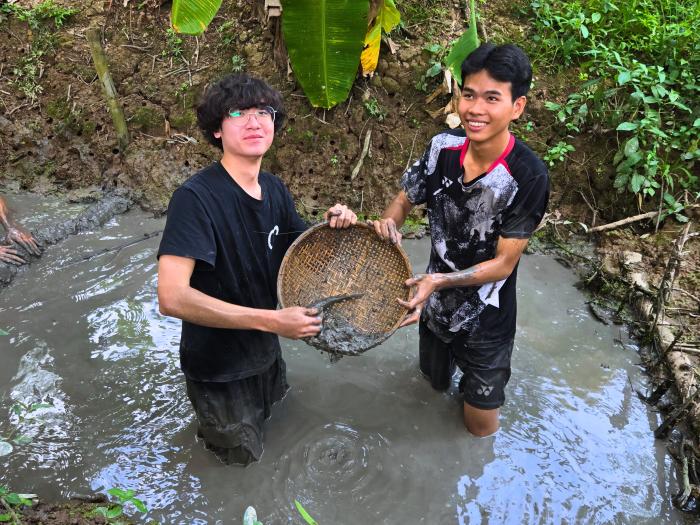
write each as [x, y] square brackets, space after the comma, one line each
[193, 16]
[324, 40]
[467, 43]
[387, 19]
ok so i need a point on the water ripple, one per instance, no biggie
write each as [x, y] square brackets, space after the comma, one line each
[331, 460]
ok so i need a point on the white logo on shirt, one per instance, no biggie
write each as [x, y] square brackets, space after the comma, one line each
[273, 231]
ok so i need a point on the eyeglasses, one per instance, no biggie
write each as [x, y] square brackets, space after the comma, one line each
[241, 117]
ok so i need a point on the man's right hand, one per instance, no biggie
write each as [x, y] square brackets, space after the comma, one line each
[386, 229]
[296, 322]
[22, 237]
[10, 255]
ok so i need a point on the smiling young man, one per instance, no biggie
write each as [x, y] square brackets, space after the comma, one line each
[485, 192]
[228, 228]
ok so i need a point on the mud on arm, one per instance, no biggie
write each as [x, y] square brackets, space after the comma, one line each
[508, 252]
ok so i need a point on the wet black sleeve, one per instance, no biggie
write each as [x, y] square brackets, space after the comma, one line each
[524, 214]
[188, 229]
[413, 181]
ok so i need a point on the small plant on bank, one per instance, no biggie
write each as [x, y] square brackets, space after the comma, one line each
[174, 44]
[10, 502]
[237, 63]
[558, 153]
[36, 16]
[374, 109]
[116, 510]
[437, 53]
[27, 72]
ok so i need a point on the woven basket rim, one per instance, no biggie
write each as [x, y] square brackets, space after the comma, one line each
[324, 224]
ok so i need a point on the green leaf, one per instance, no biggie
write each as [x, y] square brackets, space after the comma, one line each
[5, 448]
[140, 505]
[305, 514]
[696, 124]
[466, 43]
[324, 40]
[5, 518]
[101, 511]
[624, 77]
[114, 512]
[636, 183]
[3, 332]
[619, 155]
[584, 31]
[13, 499]
[22, 440]
[627, 126]
[193, 16]
[631, 146]
[434, 70]
[595, 17]
[120, 493]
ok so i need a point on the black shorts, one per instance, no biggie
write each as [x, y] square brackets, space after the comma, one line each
[485, 366]
[231, 414]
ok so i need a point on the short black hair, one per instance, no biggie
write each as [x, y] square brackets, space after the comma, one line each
[236, 91]
[505, 63]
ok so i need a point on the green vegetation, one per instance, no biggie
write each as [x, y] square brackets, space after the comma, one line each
[558, 152]
[374, 109]
[10, 502]
[116, 510]
[173, 46]
[28, 70]
[639, 65]
[437, 53]
[307, 518]
[237, 63]
[38, 15]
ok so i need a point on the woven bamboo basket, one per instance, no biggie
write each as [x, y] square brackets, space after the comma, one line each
[326, 262]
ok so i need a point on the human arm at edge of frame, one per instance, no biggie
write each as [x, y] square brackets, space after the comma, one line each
[393, 218]
[176, 298]
[508, 252]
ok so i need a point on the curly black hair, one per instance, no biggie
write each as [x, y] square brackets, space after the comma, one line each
[236, 91]
[505, 63]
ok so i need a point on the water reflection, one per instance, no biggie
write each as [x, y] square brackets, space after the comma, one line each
[365, 440]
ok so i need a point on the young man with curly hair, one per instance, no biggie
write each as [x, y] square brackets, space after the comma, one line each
[485, 193]
[227, 230]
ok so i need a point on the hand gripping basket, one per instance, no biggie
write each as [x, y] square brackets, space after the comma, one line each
[324, 263]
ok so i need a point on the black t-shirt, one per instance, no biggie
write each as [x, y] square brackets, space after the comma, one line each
[466, 221]
[238, 243]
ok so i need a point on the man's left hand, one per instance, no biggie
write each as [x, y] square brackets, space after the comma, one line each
[426, 284]
[340, 216]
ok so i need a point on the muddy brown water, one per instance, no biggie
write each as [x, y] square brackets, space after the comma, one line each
[364, 440]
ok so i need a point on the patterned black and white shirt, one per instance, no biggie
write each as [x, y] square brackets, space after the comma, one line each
[466, 221]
